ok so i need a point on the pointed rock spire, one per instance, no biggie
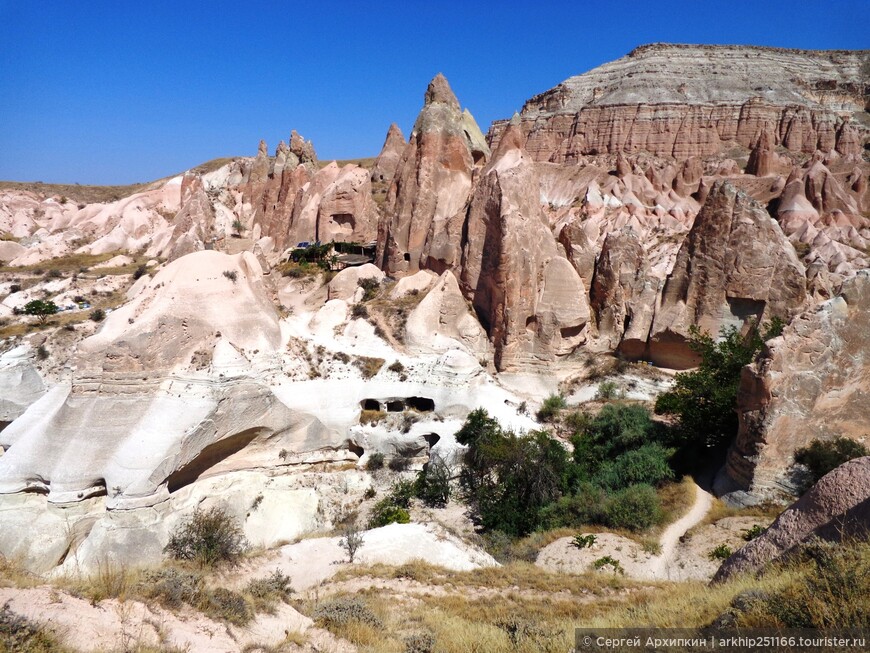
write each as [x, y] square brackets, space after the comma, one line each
[385, 165]
[760, 161]
[439, 92]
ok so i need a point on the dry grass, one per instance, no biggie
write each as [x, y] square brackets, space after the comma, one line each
[77, 193]
[368, 366]
[519, 575]
[676, 500]
[69, 263]
[173, 585]
[60, 320]
[720, 510]
[371, 416]
[531, 611]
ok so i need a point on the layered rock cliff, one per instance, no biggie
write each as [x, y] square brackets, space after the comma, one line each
[687, 100]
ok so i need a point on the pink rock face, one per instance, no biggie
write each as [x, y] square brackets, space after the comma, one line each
[623, 295]
[734, 265]
[810, 384]
[837, 506]
[426, 204]
[193, 224]
[385, 165]
[530, 298]
[662, 99]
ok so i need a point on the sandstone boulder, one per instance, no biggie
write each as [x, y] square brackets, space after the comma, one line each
[442, 321]
[20, 383]
[345, 284]
[837, 506]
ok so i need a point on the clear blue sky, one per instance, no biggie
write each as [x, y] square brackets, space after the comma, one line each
[120, 92]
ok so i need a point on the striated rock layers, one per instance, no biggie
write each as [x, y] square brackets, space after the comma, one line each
[173, 384]
[836, 507]
[811, 383]
[687, 100]
[426, 204]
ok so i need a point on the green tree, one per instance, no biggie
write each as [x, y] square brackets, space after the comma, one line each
[509, 478]
[704, 400]
[821, 457]
[40, 308]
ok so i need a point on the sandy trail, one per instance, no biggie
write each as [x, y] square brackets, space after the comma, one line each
[659, 567]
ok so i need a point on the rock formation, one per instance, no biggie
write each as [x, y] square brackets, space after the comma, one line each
[529, 296]
[810, 384]
[623, 295]
[426, 203]
[385, 165]
[20, 384]
[662, 99]
[180, 367]
[836, 507]
[734, 265]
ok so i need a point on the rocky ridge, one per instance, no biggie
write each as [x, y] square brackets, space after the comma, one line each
[684, 100]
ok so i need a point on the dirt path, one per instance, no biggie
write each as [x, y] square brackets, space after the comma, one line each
[659, 567]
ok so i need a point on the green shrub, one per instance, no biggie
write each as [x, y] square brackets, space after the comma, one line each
[647, 464]
[98, 315]
[386, 512]
[393, 507]
[607, 561]
[585, 506]
[606, 390]
[343, 611]
[823, 456]
[140, 272]
[432, 486]
[209, 537]
[635, 508]
[721, 552]
[583, 541]
[232, 275]
[370, 287]
[375, 461]
[704, 400]
[750, 534]
[41, 309]
[551, 407]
